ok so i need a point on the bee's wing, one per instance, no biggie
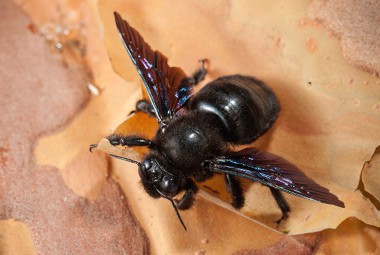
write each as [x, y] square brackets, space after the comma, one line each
[273, 171]
[167, 87]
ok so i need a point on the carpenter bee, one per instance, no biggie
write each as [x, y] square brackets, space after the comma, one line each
[196, 132]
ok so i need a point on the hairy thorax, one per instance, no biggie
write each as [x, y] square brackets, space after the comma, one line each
[190, 140]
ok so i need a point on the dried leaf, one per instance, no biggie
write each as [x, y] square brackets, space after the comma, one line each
[309, 133]
[351, 236]
[371, 175]
[15, 238]
[329, 126]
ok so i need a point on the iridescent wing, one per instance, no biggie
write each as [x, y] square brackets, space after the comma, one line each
[167, 87]
[273, 171]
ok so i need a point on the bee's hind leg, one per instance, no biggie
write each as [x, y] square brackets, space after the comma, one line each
[281, 202]
[200, 73]
[236, 191]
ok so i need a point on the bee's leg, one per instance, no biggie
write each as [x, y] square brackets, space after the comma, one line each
[281, 202]
[200, 73]
[235, 190]
[125, 141]
[129, 140]
[144, 106]
[188, 198]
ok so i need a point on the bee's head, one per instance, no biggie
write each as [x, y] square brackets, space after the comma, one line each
[156, 180]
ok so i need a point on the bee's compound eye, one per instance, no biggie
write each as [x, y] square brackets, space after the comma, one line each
[147, 164]
[168, 186]
[150, 170]
[144, 168]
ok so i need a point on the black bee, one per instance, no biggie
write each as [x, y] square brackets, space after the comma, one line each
[196, 132]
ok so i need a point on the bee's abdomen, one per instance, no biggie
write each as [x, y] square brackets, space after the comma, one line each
[246, 106]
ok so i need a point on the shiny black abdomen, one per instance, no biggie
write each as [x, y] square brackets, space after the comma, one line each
[245, 106]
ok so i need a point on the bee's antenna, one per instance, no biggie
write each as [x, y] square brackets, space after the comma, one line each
[126, 159]
[175, 208]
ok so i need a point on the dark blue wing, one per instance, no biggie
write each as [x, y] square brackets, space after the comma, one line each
[167, 87]
[273, 171]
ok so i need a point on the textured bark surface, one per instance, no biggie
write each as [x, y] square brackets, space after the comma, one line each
[40, 94]
[356, 23]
